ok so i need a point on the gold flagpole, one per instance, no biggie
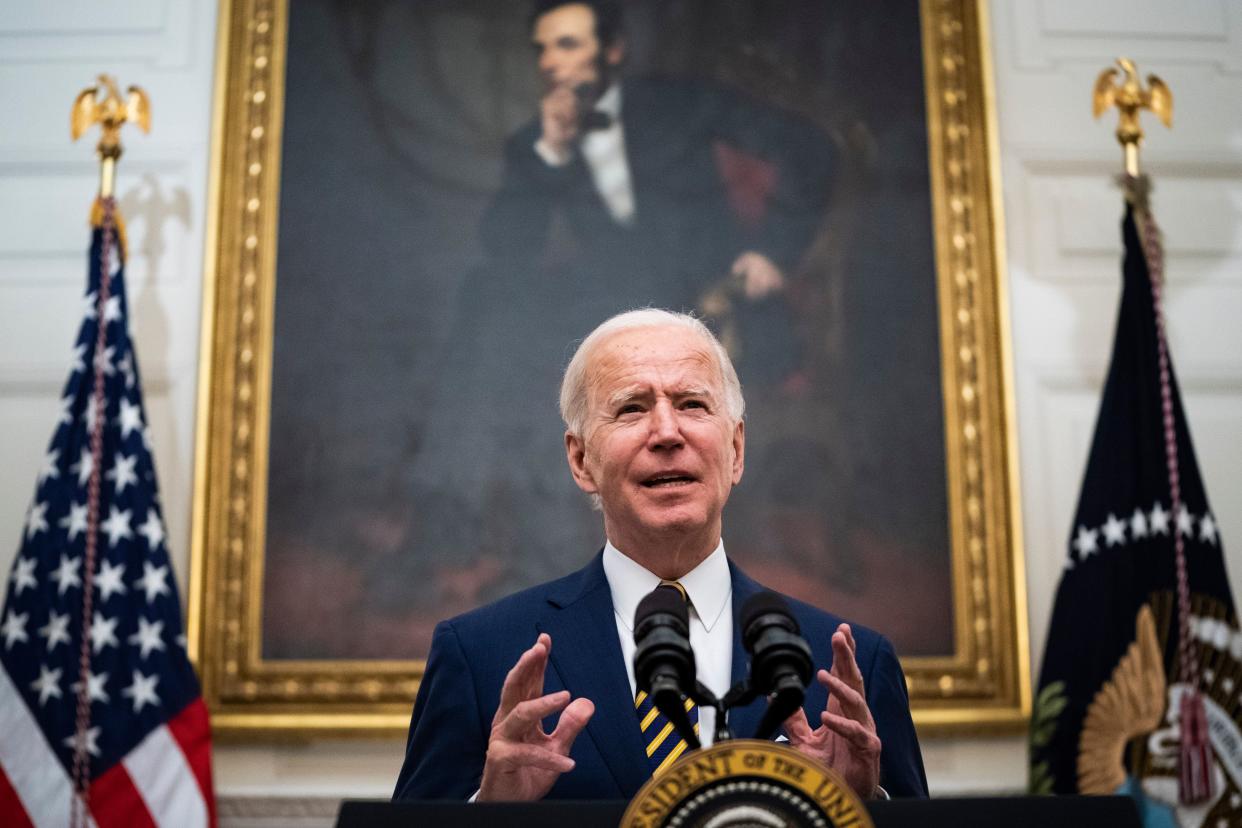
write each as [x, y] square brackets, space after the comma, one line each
[1130, 98]
[102, 104]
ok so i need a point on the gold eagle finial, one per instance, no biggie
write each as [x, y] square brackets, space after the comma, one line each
[102, 104]
[1130, 98]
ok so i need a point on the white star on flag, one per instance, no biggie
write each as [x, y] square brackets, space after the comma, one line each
[153, 580]
[142, 691]
[1114, 531]
[103, 633]
[79, 363]
[108, 579]
[84, 467]
[1159, 520]
[1138, 524]
[66, 409]
[74, 523]
[103, 360]
[131, 417]
[127, 369]
[23, 575]
[1185, 521]
[47, 684]
[92, 740]
[122, 471]
[14, 629]
[89, 302]
[1207, 528]
[36, 520]
[152, 530]
[148, 636]
[49, 470]
[112, 309]
[66, 575]
[56, 631]
[94, 687]
[117, 526]
[1085, 543]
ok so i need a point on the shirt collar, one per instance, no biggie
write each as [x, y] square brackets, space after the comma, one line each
[709, 585]
[609, 103]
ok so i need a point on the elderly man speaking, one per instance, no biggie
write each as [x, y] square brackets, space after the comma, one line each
[534, 696]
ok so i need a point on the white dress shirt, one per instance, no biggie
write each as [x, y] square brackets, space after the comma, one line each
[709, 588]
[604, 152]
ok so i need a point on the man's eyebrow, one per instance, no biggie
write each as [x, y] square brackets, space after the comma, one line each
[625, 395]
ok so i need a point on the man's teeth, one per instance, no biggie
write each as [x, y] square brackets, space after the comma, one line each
[668, 481]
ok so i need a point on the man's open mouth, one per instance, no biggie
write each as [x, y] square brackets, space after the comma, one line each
[660, 481]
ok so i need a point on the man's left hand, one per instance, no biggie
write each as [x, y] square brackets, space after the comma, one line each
[846, 741]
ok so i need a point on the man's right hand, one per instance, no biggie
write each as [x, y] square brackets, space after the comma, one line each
[561, 119]
[522, 761]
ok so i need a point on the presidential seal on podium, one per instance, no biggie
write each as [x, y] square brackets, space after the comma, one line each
[746, 783]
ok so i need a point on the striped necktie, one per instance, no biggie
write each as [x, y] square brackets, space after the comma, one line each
[664, 745]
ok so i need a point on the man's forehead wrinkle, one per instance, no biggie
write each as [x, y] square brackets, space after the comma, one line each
[625, 369]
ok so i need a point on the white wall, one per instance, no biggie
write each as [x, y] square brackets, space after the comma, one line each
[1063, 263]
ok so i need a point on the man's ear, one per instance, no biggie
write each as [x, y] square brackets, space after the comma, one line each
[575, 452]
[739, 451]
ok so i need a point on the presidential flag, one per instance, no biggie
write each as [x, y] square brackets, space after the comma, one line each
[1142, 676]
[97, 694]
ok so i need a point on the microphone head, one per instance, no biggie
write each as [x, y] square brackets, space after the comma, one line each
[661, 600]
[763, 604]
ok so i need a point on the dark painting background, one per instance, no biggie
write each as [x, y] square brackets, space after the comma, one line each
[417, 467]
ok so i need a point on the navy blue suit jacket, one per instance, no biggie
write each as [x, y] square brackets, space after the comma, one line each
[471, 654]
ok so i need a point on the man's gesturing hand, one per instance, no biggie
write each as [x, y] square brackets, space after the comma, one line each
[523, 762]
[846, 741]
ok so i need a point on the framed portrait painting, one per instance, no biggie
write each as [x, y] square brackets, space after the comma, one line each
[421, 208]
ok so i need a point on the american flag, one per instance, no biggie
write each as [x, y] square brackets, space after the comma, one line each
[135, 734]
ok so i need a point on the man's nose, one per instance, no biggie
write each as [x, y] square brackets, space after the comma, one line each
[547, 62]
[665, 428]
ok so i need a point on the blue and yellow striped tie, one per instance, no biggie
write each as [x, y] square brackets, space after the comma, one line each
[664, 745]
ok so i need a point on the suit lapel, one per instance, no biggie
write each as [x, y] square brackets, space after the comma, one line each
[742, 720]
[587, 656]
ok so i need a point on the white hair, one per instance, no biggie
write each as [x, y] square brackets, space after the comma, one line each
[574, 402]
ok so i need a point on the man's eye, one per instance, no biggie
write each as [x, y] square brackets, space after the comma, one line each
[694, 404]
[632, 408]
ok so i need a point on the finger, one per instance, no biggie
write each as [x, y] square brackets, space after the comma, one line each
[853, 704]
[843, 638]
[520, 755]
[849, 636]
[572, 721]
[539, 664]
[861, 738]
[844, 663]
[525, 680]
[525, 718]
[797, 728]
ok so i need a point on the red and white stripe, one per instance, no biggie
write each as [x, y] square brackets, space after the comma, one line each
[164, 780]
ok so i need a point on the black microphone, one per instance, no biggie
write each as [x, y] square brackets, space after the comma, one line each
[663, 661]
[780, 660]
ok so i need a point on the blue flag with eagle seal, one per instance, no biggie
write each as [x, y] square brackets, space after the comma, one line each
[1109, 715]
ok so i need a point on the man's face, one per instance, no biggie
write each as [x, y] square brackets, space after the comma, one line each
[660, 449]
[569, 53]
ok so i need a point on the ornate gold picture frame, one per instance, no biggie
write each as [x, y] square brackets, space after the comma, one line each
[981, 685]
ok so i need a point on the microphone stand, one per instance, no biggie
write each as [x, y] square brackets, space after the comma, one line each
[706, 698]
